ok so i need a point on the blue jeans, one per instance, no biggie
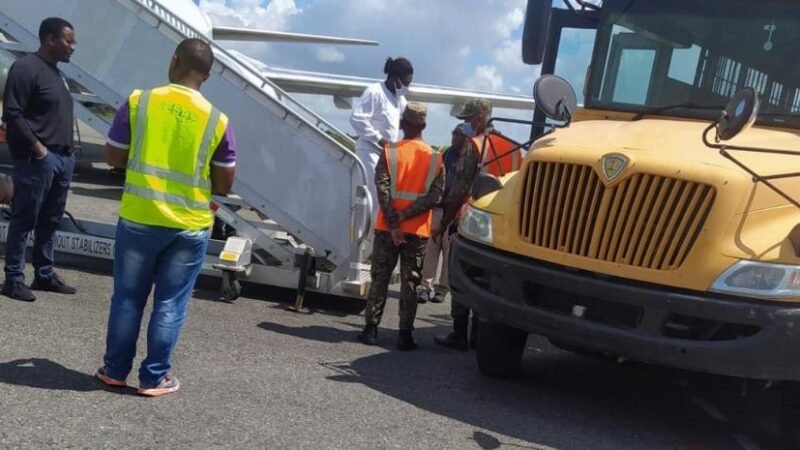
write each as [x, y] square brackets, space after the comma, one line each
[40, 196]
[145, 256]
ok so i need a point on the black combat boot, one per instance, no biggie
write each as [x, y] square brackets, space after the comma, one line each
[369, 336]
[405, 340]
[458, 338]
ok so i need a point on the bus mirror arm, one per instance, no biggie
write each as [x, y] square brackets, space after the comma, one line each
[551, 127]
[725, 151]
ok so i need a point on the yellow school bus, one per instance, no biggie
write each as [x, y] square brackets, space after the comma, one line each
[632, 229]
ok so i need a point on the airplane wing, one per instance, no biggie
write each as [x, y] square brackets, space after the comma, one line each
[343, 88]
[251, 35]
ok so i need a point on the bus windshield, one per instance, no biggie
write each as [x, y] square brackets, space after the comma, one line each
[688, 57]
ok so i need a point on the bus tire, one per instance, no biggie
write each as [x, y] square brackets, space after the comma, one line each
[500, 349]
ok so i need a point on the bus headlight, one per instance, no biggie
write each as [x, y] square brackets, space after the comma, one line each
[476, 225]
[762, 280]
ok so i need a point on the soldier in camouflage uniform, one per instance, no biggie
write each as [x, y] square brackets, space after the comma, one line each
[460, 165]
[390, 245]
[461, 177]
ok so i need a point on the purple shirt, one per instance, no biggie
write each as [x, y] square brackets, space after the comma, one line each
[120, 136]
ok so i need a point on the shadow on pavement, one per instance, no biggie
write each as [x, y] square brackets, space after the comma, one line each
[113, 193]
[633, 406]
[314, 332]
[386, 338]
[488, 442]
[208, 288]
[45, 374]
[438, 320]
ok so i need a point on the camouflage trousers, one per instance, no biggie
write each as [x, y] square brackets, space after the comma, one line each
[384, 258]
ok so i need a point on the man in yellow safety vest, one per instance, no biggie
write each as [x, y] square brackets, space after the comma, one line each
[177, 149]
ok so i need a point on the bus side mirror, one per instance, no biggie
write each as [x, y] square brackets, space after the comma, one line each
[555, 97]
[536, 31]
[740, 114]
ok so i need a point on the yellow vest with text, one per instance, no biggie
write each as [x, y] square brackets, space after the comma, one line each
[174, 132]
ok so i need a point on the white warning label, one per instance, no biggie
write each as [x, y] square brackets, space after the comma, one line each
[76, 244]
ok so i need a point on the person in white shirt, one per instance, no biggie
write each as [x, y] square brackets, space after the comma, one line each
[376, 116]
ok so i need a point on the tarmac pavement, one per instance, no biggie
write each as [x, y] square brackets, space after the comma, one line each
[256, 376]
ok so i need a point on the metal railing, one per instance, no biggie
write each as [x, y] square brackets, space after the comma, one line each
[167, 17]
[171, 19]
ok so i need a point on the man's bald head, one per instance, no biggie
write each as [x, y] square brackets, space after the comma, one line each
[192, 61]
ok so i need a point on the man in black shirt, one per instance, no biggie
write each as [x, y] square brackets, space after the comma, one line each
[37, 110]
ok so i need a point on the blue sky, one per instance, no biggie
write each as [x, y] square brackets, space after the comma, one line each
[473, 44]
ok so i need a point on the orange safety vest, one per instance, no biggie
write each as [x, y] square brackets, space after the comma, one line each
[498, 145]
[413, 166]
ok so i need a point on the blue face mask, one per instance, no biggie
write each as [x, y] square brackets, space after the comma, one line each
[466, 128]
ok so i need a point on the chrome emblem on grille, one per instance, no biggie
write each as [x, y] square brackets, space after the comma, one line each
[612, 166]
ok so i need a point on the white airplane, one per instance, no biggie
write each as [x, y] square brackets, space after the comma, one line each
[341, 88]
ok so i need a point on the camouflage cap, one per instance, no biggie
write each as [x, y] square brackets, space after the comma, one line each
[474, 107]
[415, 113]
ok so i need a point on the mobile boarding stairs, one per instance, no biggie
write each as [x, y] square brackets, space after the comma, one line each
[308, 192]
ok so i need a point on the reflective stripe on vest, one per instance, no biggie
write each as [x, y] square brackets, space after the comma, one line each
[164, 197]
[411, 196]
[196, 180]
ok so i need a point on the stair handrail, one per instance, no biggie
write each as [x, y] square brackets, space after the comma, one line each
[166, 16]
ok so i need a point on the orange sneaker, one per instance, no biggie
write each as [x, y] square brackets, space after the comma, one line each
[168, 385]
[108, 381]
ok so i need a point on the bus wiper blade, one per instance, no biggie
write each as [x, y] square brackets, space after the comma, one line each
[779, 115]
[688, 105]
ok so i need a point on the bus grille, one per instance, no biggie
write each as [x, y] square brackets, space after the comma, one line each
[646, 221]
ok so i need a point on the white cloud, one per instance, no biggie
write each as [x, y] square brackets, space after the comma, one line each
[251, 13]
[510, 22]
[281, 8]
[516, 18]
[330, 55]
[485, 78]
[482, 55]
[508, 56]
